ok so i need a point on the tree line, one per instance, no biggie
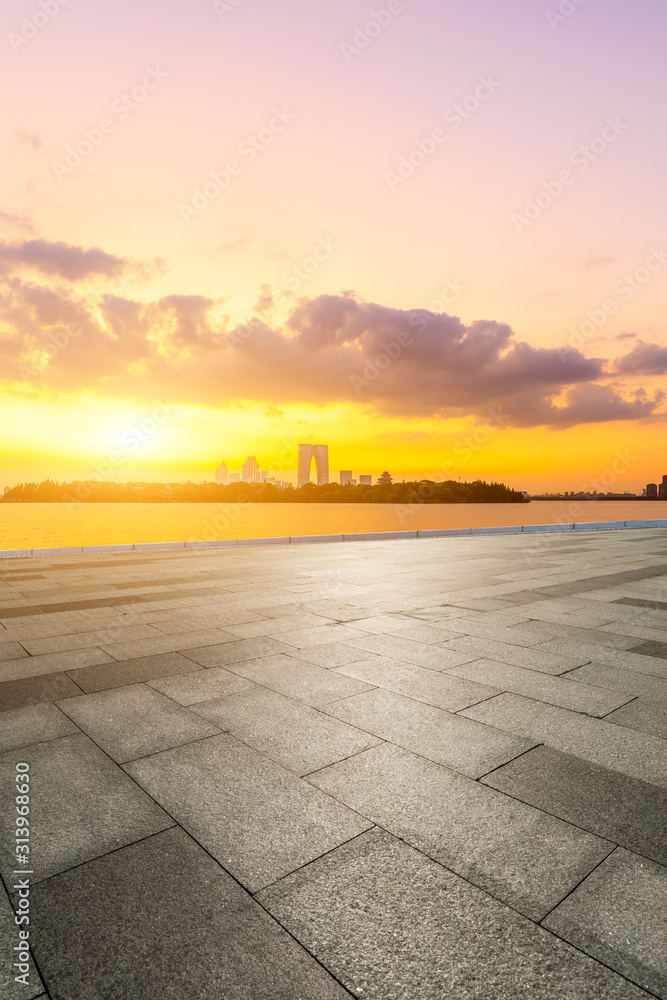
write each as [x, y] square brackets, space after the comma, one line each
[415, 492]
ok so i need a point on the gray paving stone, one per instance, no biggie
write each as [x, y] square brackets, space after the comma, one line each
[324, 634]
[33, 690]
[167, 643]
[201, 685]
[143, 668]
[298, 679]
[9, 939]
[289, 732]
[52, 663]
[619, 916]
[409, 651]
[20, 727]
[135, 721]
[273, 626]
[329, 655]
[236, 651]
[643, 714]
[391, 924]
[256, 818]
[81, 806]
[81, 640]
[430, 634]
[513, 851]
[440, 736]
[576, 696]
[638, 754]
[11, 650]
[612, 805]
[162, 919]
[625, 659]
[430, 686]
[618, 679]
[518, 656]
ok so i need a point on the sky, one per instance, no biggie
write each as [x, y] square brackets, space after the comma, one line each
[428, 233]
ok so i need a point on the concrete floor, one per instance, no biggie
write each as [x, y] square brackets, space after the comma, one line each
[408, 769]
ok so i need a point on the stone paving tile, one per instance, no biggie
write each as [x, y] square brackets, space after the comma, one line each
[201, 685]
[329, 655]
[379, 624]
[167, 643]
[409, 651]
[81, 806]
[323, 635]
[617, 679]
[79, 640]
[33, 724]
[430, 732]
[9, 936]
[576, 696]
[273, 626]
[256, 818]
[167, 899]
[607, 635]
[289, 732]
[11, 650]
[121, 673]
[518, 656]
[430, 686]
[619, 916]
[236, 651]
[421, 632]
[32, 690]
[639, 755]
[612, 805]
[135, 721]
[52, 663]
[643, 714]
[391, 924]
[301, 680]
[614, 657]
[515, 852]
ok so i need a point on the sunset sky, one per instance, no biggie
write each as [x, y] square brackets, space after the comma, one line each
[437, 240]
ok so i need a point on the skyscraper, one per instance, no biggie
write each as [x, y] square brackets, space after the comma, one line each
[250, 471]
[365, 480]
[345, 477]
[222, 474]
[308, 452]
[652, 491]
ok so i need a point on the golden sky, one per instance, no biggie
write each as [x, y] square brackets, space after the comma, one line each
[434, 244]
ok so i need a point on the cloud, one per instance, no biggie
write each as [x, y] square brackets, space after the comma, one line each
[20, 222]
[643, 359]
[61, 260]
[334, 348]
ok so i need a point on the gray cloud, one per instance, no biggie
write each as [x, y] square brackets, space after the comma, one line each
[643, 359]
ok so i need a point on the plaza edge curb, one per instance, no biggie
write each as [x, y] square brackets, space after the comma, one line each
[369, 536]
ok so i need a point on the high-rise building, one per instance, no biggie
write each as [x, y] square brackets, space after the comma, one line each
[250, 471]
[345, 477]
[222, 474]
[652, 491]
[308, 452]
[384, 480]
[234, 478]
[365, 480]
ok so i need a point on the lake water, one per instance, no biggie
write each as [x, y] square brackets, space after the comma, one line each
[41, 525]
